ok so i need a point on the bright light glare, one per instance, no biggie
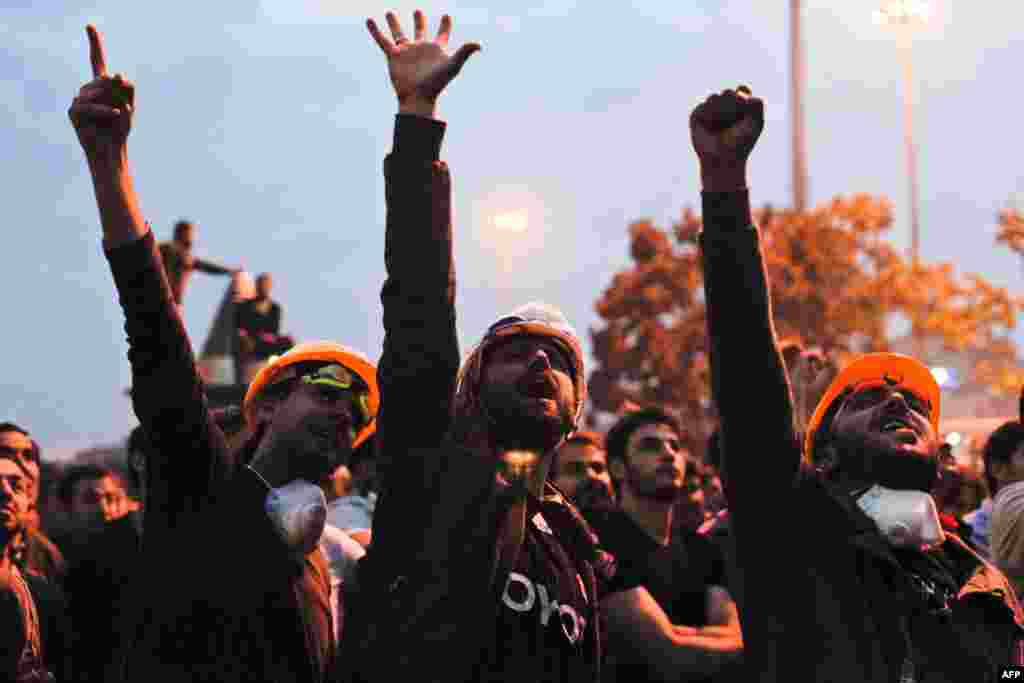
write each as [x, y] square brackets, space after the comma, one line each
[942, 376]
[903, 12]
[954, 439]
[511, 221]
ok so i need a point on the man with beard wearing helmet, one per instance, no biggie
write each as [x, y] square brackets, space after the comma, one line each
[230, 584]
[861, 584]
[479, 570]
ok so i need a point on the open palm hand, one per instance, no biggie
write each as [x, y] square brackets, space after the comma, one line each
[420, 68]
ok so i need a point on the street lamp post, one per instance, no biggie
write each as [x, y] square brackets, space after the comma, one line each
[904, 15]
[796, 75]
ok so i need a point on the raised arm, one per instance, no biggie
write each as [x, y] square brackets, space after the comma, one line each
[420, 361]
[211, 268]
[748, 378]
[166, 390]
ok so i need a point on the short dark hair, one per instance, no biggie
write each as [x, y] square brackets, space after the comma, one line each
[36, 453]
[593, 439]
[181, 226]
[11, 427]
[78, 473]
[999, 448]
[618, 435]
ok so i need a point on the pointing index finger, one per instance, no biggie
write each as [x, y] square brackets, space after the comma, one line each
[99, 62]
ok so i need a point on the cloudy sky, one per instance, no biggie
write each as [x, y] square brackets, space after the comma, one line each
[266, 123]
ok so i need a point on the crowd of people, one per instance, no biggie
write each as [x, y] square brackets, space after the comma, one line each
[431, 517]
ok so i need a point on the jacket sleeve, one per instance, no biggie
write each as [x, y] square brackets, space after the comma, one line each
[749, 383]
[420, 361]
[210, 268]
[433, 527]
[189, 458]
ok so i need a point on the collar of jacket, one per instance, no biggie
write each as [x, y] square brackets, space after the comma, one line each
[861, 532]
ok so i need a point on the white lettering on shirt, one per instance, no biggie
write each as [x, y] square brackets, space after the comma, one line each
[573, 625]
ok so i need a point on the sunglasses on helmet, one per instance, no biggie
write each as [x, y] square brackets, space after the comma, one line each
[335, 376]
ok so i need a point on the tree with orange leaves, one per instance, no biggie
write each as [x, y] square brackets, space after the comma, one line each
[836, 284]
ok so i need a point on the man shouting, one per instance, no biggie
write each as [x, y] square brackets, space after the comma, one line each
[478, 570]
[231, 585]
[862, 585]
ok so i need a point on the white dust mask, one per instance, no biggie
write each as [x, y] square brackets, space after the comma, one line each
[298, 511]
[904, 518]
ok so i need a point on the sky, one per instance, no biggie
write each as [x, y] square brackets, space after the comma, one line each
[266, 123]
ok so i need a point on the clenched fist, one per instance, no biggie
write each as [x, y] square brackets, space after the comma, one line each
[420, 68]
[102, 112]
[724, 129]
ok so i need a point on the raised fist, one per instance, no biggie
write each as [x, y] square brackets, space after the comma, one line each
[102, 112]
[421, 68]
[724, 129]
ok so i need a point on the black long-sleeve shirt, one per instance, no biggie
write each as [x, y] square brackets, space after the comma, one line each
[822, 597]
[218, 595]
[443, 610]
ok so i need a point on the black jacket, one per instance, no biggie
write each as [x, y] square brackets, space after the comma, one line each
[431, 579]
[822, 597]
[217, 595]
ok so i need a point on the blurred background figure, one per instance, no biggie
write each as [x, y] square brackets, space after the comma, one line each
[91, 496]
[31, 642]
[258, 321]
[580, 470]
[1004, 469]
[31, 549]
[668, 579]
[179, 262]
[105, 556]
[352, 493]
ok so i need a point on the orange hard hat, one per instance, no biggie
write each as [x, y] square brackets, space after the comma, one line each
[325, 351]
[894, 368]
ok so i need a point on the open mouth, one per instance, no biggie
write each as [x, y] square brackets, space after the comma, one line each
[899, 428]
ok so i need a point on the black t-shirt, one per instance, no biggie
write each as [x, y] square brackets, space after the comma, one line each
[677, 575]
[250, 317]
[544, 615]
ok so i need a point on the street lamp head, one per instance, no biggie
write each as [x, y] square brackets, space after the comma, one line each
[903, 12]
